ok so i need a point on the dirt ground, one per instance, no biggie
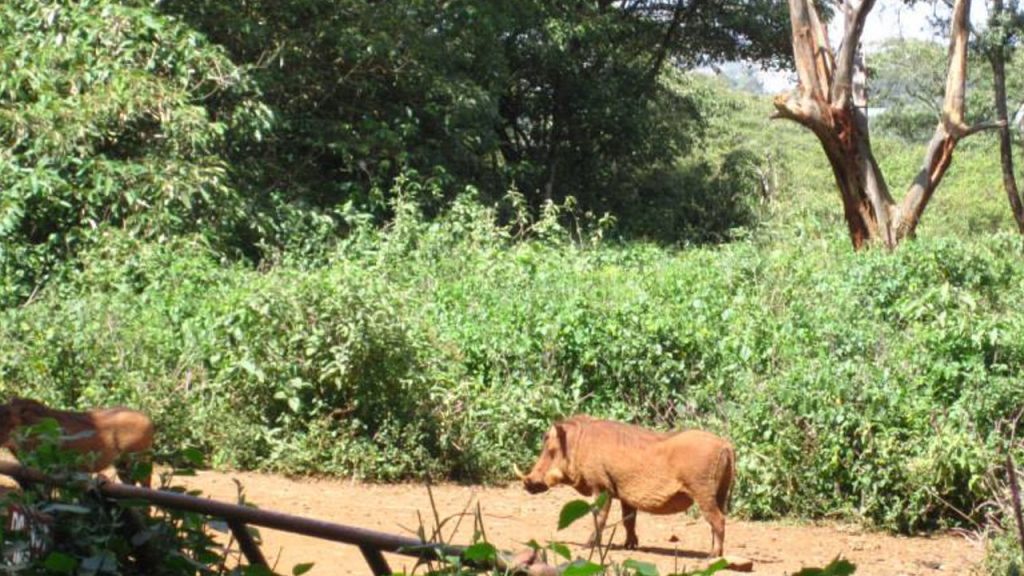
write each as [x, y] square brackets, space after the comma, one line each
[512, 517]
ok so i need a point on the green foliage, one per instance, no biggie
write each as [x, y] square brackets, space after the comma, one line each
[261, 366]
[70, 528]
[576, 509]
[112, 115]
[712, 192]
[908, 82]
[156, 118]
[1005, 549]
[1004, 555]
[552, 100]
[138, 147]
[837, 567]
[869, 385]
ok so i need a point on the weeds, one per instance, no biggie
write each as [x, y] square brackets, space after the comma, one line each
[555, 558]
[864, 385]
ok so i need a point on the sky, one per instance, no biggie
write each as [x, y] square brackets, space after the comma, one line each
[888, 19]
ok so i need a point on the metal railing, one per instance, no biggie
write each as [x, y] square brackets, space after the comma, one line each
[372, 544]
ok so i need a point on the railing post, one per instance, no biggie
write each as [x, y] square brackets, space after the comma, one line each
[246, 543]
[376, 560]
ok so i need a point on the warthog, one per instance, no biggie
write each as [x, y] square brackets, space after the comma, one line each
[650, 471]
[104, 436]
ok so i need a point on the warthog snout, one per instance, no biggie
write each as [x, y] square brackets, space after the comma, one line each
[535, 487]
[532, 486]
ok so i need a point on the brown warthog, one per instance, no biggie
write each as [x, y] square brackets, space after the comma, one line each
[103, 436]
[650, 471]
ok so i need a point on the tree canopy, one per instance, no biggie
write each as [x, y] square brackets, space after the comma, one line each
[257, 122]
[554, 99]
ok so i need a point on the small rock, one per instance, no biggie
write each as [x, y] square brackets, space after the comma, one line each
[542, 569]
[522, 559]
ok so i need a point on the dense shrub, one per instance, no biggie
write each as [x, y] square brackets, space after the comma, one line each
[111, 114]
[866, 384]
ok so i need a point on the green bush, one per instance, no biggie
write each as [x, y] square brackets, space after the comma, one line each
[869, 385]
[113, 115]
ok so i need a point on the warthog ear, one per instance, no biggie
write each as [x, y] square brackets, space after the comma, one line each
[563, 439]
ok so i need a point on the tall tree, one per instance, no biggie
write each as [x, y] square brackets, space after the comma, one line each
[829, 101]
[555, 99]
[998, 44]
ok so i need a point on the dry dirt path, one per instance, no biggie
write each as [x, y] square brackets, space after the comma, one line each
[512, 517]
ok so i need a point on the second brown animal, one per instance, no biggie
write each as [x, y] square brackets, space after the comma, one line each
[104, 436]
[645, 470]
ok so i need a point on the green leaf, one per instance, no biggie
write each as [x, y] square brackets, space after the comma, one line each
[714, 568]
[641, 568]
[60, 563]
[193, 455]
[560, 549]
[572, 512]
[301, 569]
[583, 568]
[837, 567]
[480, 552]
[141, 471]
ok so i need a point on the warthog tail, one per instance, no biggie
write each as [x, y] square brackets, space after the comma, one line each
[726, 477]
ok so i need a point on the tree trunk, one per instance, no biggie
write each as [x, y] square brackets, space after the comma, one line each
[997, 57]
[830, 101]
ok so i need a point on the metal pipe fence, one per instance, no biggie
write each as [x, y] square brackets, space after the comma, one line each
[372, 544]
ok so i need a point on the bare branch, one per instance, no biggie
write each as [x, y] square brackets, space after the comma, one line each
[982, 126]
[855, 17]
[670, 33]
[956, 78]
[811, 50]
[800, 109]
[950, 129]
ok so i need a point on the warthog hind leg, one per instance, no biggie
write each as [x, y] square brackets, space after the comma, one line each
[714, 516]
[629, 521]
